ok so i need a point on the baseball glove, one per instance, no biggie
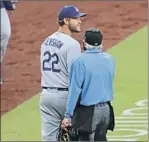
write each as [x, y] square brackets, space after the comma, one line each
[70, 135]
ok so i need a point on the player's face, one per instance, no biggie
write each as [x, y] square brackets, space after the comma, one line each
[75, 25]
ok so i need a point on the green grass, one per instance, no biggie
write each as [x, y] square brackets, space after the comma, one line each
[131, 81]
[23, 123]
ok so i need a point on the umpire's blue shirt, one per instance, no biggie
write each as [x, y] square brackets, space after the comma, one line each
[91, 76]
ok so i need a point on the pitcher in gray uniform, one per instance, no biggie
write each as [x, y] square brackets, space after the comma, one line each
[57, 52]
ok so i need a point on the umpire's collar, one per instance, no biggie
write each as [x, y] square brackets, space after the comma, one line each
[93, 50]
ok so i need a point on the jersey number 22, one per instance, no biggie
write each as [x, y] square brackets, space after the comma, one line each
[47, 60]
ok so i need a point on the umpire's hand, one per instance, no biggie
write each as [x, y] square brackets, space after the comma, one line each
[66, 123]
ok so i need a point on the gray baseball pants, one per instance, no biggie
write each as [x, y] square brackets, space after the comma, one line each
[100, 124]
[52, 108]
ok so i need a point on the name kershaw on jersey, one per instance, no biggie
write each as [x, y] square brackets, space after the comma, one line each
[54, 42]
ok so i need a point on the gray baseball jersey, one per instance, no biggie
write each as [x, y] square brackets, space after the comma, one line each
[57, 53]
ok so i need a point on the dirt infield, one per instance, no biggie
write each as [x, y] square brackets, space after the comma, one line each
[33, 21]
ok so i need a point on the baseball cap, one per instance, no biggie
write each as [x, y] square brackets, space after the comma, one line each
[93, 37]
[69, 12]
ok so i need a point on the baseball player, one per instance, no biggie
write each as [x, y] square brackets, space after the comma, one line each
[57, 52]
[5, 26]
[91, 90]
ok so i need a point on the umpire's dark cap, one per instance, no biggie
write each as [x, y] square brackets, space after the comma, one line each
[69, 12]
[93, 37]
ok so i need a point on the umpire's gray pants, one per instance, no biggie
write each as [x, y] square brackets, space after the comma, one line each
[100, 124]
[52, 108]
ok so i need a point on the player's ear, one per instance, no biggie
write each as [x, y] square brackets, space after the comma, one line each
[66, 21]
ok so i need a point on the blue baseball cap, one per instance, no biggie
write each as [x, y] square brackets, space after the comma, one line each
[69, 12]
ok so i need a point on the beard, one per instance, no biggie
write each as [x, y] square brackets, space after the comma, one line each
[73, 29]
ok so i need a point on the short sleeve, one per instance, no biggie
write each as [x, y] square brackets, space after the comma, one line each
[73, 52]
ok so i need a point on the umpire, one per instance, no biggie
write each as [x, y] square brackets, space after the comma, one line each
[91, 89]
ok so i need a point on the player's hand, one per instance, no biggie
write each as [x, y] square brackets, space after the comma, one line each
[66, 123]
[14, 3]
[14, 6]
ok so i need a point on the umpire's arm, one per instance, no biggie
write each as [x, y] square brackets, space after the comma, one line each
[76, 79]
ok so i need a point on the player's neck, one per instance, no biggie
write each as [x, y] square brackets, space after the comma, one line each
[64, 30]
